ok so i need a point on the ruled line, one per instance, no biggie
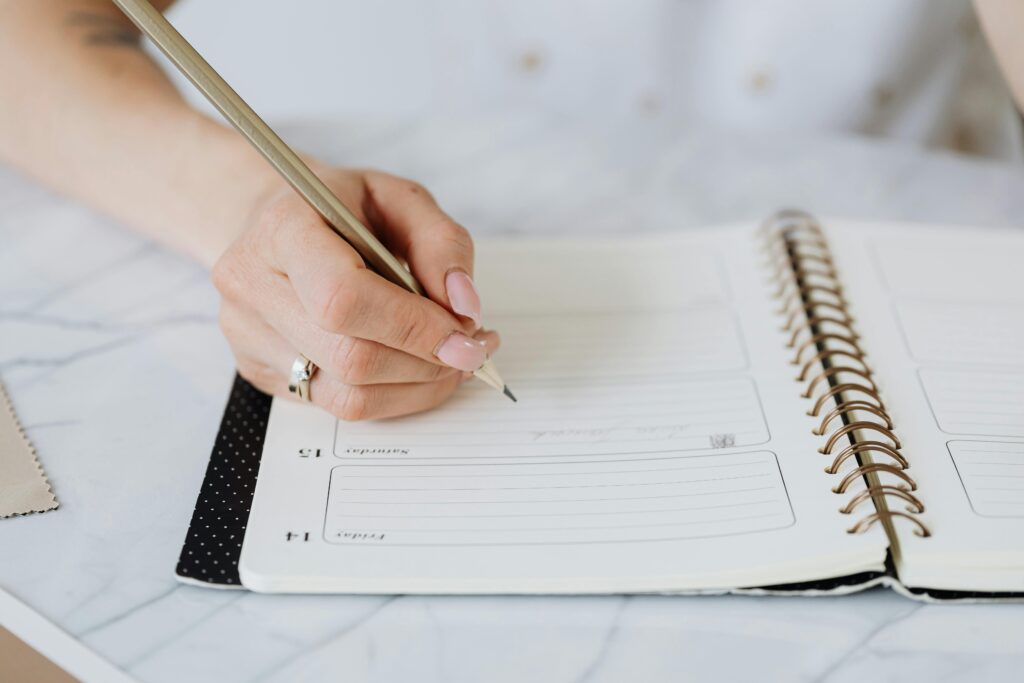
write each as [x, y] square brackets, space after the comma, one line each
[492, 530]
[568, 486]
[537, 442]
[578, 514]
[525, 474]
[971, 460]
[537, 433]
[555, 500]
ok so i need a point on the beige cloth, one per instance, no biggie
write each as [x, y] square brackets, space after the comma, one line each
[23, 484]
[19, 662]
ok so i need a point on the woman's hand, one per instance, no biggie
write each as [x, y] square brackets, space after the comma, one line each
[106, 126]
[290, 285]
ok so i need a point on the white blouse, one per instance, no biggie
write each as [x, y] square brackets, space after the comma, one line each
[917, 71]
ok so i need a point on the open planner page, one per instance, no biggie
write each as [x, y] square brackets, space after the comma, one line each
[659, 444]
[941, 311]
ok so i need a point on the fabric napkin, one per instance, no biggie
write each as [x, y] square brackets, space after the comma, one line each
[23, 484]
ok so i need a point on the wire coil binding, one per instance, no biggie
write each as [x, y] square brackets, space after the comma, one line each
[837, 378]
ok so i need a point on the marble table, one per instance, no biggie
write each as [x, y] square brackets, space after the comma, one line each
[110, 349]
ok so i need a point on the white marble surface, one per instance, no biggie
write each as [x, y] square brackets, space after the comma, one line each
[110, 349]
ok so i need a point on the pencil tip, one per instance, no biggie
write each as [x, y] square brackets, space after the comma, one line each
[509, 393]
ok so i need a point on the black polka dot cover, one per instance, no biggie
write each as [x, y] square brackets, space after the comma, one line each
[214, 540]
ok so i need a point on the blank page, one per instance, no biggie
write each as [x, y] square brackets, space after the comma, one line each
[659, 444]
[942, 314]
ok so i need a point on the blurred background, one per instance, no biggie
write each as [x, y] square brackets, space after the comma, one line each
[917, 71]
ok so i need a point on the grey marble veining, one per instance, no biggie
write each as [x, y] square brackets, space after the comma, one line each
[110, 349]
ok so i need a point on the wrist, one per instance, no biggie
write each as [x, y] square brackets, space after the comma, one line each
[225, 180]
[257, 184]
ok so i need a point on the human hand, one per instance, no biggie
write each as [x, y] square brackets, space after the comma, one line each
[290, 285]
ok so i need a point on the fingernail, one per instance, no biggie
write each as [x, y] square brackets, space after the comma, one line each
[462, 352]
[489, 338]
[462, 295]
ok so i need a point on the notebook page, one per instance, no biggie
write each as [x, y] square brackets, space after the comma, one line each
[658, 444]
[942, 313]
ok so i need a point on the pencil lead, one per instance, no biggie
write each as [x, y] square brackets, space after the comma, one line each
[509, 393]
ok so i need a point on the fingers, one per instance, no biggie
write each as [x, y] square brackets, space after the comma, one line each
[348, 359]
[366, 306]
[265, 358]
[343, 297]
[361, 304]
[361, 362]
[439, 250]
[379, 401]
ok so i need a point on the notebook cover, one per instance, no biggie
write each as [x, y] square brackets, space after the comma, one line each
[213, 543]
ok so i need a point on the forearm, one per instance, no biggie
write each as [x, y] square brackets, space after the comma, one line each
[87, 112]
[1003, 23]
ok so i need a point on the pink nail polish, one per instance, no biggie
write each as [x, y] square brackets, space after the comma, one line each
[488, 339]
[462, 352]
[462, 295]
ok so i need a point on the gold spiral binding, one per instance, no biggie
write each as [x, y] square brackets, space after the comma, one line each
[828, 354]
[837, 370]
[865, 523]
[815, 339]
[826, 271]
[850, 427]
[915, 505]
[866, 447]
[813, 306]
[819, 321]
[800, 295]
[857, 472]
[837, 377]
[844, 407]
[836, 391]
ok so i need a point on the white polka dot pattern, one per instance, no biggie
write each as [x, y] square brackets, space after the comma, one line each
[214, 540]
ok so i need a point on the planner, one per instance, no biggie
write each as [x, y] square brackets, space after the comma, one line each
[796, 406]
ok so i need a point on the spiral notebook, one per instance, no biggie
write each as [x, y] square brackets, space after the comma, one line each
[792, 407]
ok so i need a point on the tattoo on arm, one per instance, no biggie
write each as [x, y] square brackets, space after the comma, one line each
[97, 28]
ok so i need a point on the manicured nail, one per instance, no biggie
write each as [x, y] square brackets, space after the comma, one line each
[462, 295]
[489, 338]
[462, 352]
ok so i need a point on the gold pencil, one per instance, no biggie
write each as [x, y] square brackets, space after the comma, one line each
[292, 168]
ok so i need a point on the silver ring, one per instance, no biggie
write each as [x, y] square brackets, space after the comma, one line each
[298, 383]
